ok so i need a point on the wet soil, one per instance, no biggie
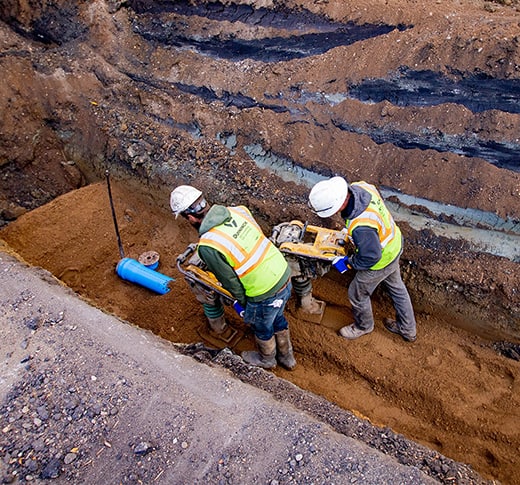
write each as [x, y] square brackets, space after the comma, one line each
[163, 93]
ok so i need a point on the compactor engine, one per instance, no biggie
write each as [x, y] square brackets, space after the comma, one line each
[309, 250]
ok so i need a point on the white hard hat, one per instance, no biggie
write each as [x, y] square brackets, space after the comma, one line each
[182, 197]
[327, 196]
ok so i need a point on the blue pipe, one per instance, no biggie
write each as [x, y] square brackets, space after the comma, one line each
[131, 270]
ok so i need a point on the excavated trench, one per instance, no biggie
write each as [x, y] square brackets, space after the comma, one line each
[257, 105]
[378, 379]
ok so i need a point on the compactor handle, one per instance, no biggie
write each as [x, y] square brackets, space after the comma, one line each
[181, 258]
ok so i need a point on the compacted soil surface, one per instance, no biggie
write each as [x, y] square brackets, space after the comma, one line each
[253, 102]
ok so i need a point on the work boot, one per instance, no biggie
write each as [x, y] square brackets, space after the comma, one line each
[265, 357]
[393, 326]
[351, 332]
[284, 350]
[217, 325]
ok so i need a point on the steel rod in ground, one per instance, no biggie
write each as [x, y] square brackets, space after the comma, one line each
[121, 250]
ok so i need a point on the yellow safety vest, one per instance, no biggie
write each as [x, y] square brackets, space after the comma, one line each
[255, 259]
[377, 215]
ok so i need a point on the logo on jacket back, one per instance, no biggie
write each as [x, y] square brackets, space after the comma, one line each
[233, 223]
[240, 229]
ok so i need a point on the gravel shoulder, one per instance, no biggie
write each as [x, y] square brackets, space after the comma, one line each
[87, 398]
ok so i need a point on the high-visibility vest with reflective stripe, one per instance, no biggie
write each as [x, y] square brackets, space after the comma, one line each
[377, 215]
[254, 258]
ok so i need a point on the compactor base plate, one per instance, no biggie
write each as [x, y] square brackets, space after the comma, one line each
[315, 317]
[229, 338]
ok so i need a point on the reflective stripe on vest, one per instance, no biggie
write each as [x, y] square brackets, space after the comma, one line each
[378, 216]
[253, 257]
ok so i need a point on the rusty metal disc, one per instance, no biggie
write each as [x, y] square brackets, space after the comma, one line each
[149, 259]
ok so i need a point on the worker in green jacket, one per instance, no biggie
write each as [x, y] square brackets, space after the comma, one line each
[249, 266]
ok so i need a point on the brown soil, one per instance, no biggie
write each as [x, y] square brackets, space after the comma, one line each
[89, 87]
[450, 390]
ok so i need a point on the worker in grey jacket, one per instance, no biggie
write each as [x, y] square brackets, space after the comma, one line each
[378, 242]
[249, 266]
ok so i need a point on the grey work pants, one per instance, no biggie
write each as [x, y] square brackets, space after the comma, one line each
[364, 284]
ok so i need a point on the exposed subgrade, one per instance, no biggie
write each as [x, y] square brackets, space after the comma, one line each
[406, 87]
[58, 25]
[502, 154]
[299, 34]
[483, 231]
[280, 17]
[426, 89]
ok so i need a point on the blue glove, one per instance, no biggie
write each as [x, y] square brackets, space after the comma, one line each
[341, 263]
[239, 308]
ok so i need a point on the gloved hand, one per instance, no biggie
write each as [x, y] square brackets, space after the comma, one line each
[239, 308]
[341, 263]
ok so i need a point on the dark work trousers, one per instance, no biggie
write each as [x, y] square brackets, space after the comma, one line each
[364, 284]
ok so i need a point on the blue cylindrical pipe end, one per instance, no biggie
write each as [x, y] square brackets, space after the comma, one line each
[131, 270]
